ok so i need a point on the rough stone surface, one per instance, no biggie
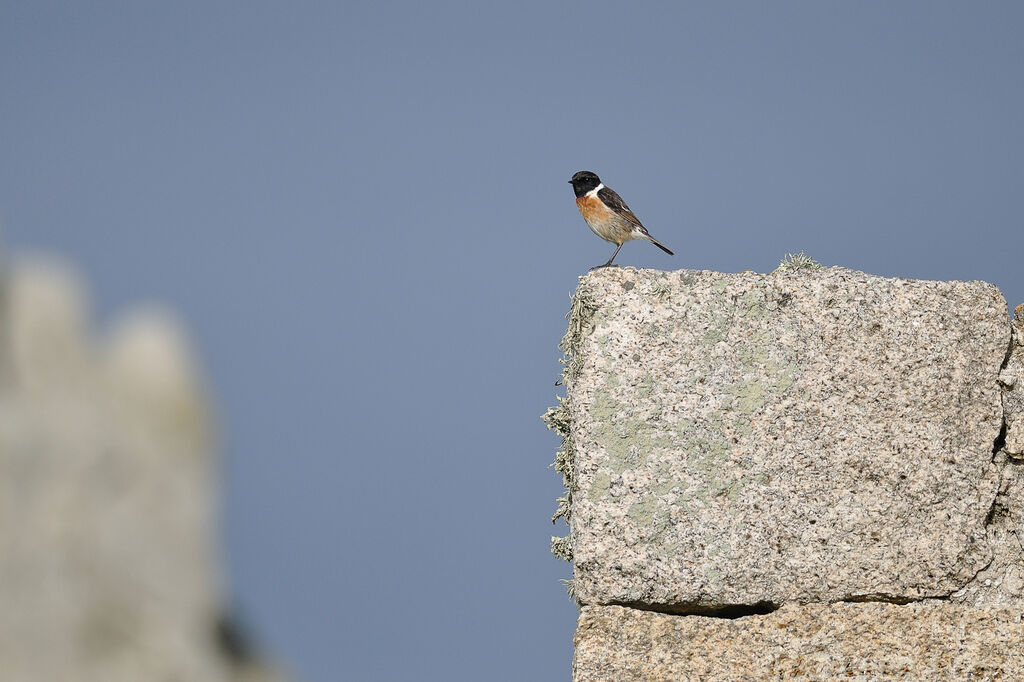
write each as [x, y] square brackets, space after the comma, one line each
[1012, 381]
[108, 561]
[930, 640]
[803, 436]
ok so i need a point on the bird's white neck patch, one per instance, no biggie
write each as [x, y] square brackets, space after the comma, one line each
[593, 192]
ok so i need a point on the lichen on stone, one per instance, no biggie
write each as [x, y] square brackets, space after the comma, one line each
[559, 418]
[793, 262]
[561, 548]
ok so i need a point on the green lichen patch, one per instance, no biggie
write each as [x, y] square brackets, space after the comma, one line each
[600, 485]
[750, 395]
[642, 512]
[651, 516]
[753, 305]
[628, 439]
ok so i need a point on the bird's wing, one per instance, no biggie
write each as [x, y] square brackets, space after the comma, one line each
[613, 201]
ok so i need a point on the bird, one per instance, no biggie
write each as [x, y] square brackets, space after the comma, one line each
[607, 214]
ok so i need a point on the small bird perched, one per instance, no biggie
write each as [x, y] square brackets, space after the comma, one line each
[607, 214]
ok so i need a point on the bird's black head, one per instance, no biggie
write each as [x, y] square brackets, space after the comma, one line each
[583, 182]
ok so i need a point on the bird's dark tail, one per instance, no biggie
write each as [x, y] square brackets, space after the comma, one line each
[660, 245]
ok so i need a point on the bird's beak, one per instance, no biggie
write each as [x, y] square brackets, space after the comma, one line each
[570, 182]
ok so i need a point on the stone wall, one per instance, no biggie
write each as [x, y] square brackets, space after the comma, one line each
[809, 473]
[109, 570]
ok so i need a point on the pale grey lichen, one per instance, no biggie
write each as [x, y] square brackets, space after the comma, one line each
[792, 262]
[559, 418]
[561, 548]
[570, 587]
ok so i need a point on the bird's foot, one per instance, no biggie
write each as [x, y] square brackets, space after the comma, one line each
[603, 265]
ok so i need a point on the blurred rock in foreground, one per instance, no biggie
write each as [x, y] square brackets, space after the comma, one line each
[108, 502]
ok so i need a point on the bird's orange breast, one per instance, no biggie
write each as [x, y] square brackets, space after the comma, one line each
[604, 222]
[592, 209]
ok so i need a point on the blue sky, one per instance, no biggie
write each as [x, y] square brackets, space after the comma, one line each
[361, 210]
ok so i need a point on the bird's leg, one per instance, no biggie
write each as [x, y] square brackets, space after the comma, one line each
[609, 263]
[613, 255]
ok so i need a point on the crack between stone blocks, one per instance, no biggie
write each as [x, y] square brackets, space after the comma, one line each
[998, 446]
[764, 608]
[1000, 441]
[726, 611]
